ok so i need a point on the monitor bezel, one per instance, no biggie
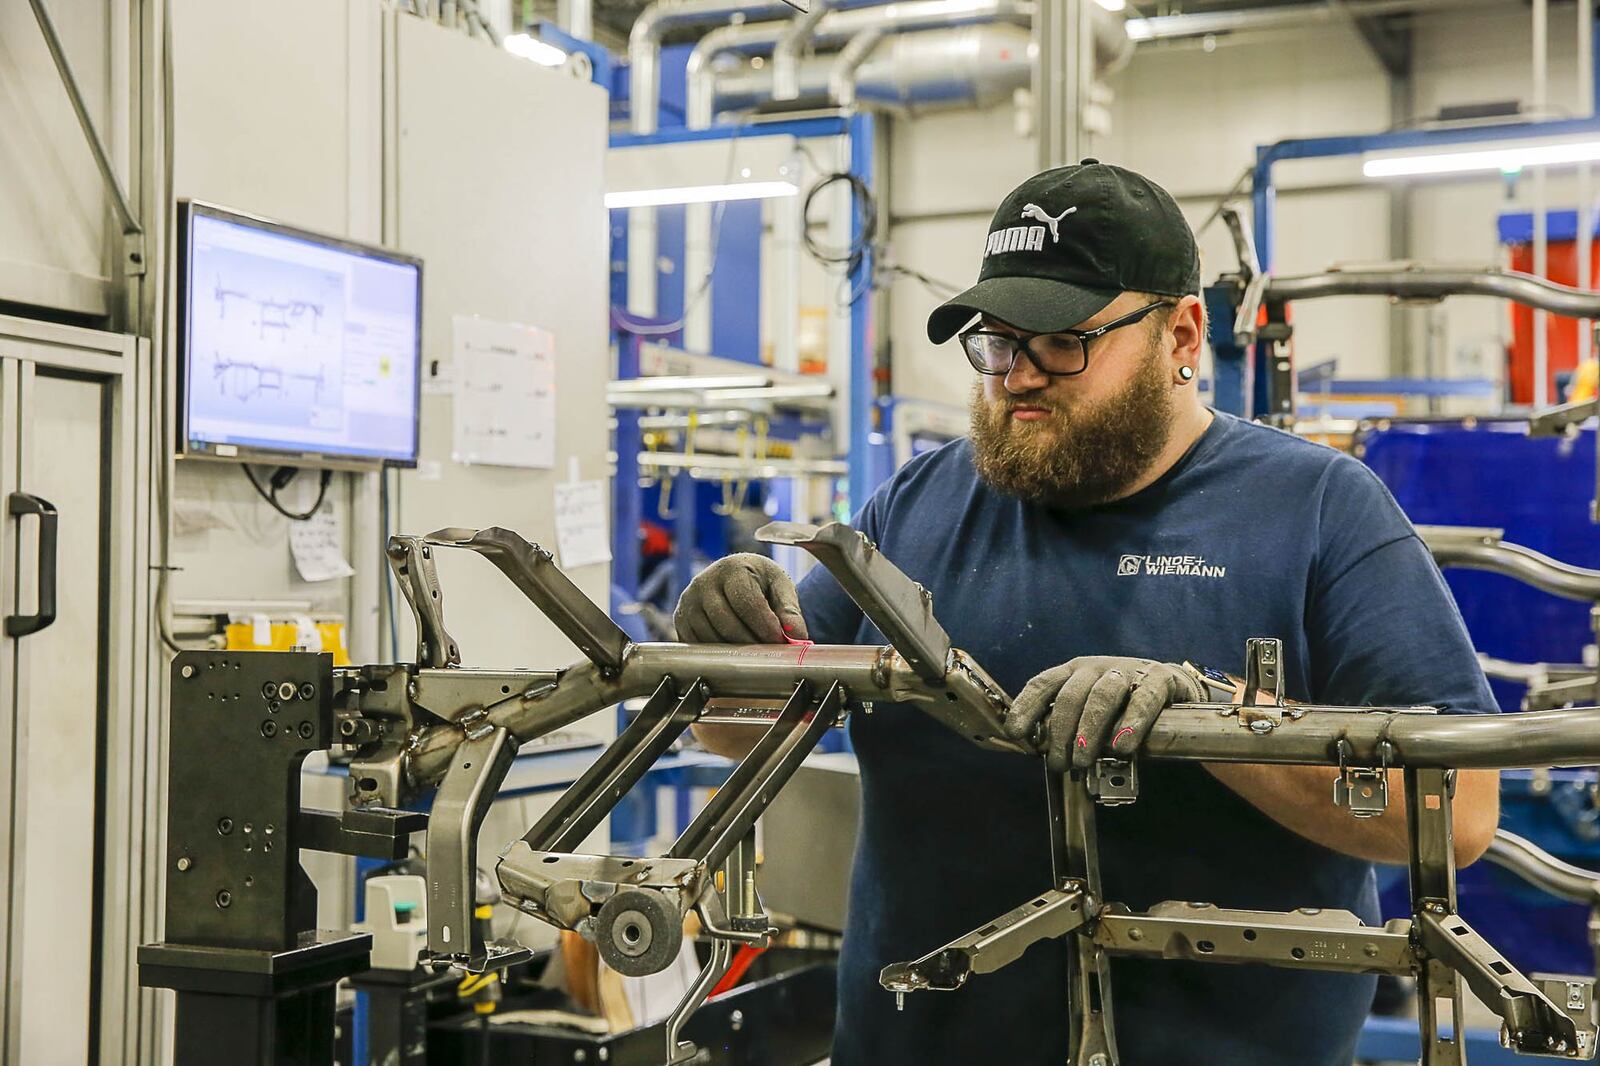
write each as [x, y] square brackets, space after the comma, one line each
[242, 453]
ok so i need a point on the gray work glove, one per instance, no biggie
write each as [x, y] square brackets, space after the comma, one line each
[740, 599]
[1097, 705]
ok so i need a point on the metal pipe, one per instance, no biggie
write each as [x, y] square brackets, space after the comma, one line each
[786, 55]
[735, 671]
[1454, 741]
[1541, 204]
[1426, 283]
[97, 148]
[1585, 90]
[576, 17]
[842, 74]
[1542, 870]
[968, 66]
[1203, 23]
[837, 27]
[1523, 564]
[644, 45]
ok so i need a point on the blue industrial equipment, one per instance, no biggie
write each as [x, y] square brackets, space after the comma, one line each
[1490, 473]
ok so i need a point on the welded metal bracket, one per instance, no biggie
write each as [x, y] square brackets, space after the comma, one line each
[900, 608]
[1556, 420]
[1114, 782]
[1047, 916]
[633, 909]
[1263, 670]
[479, 766]
[1364, 790]
[534, 571]
[411, 559]
[1531, 1023]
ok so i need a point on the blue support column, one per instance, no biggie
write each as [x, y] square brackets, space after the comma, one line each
[627, 507]
[1231, 365]
[684, 532]
[1263, 200]
[863, 387]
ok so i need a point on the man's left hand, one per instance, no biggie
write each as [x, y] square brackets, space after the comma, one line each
[1097, 704]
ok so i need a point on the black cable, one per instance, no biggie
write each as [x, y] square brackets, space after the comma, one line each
[862, 202]
[865, 251]
[279, 480]
[388, 573]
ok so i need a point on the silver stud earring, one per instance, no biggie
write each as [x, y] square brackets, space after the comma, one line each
[1186, 372]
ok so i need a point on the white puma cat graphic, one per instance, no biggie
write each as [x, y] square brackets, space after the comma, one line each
[1037, 212]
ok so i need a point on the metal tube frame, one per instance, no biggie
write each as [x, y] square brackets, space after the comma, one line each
[456, 729]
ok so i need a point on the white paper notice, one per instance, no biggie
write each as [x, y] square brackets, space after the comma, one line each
[317, 545]
[505, 393]
[581, 535]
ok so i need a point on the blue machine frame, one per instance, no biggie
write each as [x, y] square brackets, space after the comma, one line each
[863, 478]
[1238, 389]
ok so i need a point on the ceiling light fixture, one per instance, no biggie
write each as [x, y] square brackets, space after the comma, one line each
[1506, 160]
[702, 194]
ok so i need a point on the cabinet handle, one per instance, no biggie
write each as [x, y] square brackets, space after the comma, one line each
[19, 504]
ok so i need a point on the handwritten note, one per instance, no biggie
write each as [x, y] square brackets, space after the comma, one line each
[581, 534]
[317, 545]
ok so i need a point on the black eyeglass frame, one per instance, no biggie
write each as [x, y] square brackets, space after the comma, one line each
[1083, 337]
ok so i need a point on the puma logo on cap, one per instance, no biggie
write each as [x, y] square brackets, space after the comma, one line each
[1036, 212]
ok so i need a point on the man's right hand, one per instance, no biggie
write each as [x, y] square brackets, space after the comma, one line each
[740, 599]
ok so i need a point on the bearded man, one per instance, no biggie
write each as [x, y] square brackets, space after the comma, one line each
[1100, 526]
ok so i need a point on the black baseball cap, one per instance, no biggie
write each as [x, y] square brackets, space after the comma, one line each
[1067, 242]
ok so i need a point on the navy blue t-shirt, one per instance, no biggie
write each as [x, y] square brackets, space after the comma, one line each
[1254, 533]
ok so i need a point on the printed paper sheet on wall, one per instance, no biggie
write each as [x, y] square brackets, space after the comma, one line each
[505, 393]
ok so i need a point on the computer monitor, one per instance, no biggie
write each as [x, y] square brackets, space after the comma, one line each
[295, 348]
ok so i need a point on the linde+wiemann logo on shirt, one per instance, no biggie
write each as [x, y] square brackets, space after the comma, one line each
[1179, 565]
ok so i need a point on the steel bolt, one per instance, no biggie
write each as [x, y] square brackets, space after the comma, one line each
[1371, 951]
[1098, 1060]
[286, 691]
[1135, 934]
[1261, 726]
[736, 1020]
[187, 671]
[269, 728]
[305, 730]
[224, 826]
[307, 690]
[224, 899]
[269, 690]
[580, 1055]
[184, 862]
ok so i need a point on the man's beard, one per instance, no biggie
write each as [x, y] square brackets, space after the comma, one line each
[1077, 455]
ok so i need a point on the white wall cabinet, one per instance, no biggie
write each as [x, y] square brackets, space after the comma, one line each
[67, 557]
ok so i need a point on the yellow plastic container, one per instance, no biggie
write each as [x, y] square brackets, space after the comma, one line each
[241, 637]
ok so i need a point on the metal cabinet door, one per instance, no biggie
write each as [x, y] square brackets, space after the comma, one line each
[55, 483]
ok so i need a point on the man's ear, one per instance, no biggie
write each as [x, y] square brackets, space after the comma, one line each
[1188, 323]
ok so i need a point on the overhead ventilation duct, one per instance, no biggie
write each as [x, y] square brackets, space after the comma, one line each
[969, 66]
[837, 28]
[655, 21]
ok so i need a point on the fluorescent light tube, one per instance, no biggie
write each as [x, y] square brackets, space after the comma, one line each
[702, 194]
[680, 383]
[1503, 159]
[530, 47]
